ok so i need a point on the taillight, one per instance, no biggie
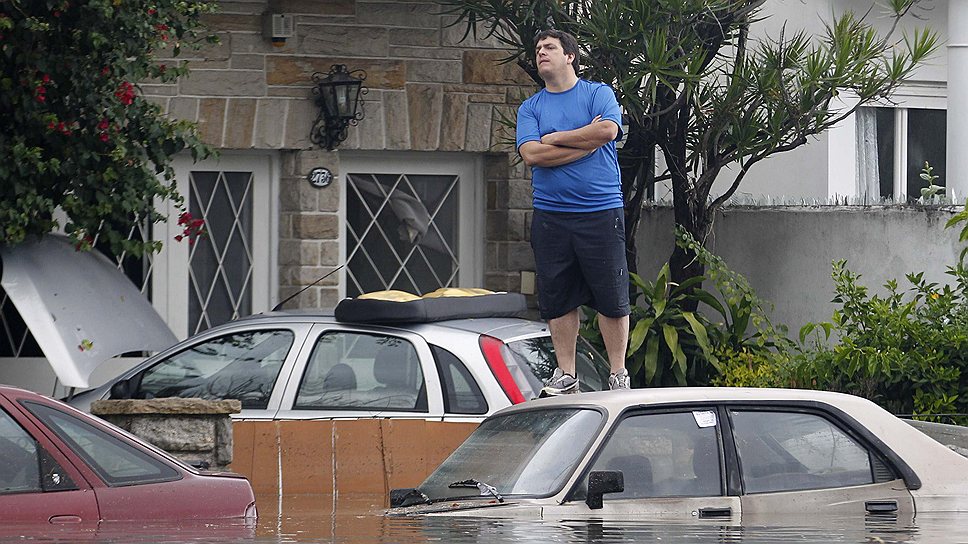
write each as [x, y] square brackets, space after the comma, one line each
[251, 513]
[491, 348]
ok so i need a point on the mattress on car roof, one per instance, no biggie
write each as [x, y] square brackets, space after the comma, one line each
[438, 306]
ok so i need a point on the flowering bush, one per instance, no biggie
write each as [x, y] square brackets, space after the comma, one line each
[77, 134]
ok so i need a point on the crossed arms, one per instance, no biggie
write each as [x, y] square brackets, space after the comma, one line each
[567, 146]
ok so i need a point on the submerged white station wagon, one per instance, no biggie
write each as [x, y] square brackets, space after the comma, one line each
[693, 453]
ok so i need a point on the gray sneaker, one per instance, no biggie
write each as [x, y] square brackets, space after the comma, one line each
[619, 380]
[560, 384]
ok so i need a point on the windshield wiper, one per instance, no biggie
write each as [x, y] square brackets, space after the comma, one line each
[481, 486]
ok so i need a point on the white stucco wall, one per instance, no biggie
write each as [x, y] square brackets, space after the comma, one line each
[786, 253]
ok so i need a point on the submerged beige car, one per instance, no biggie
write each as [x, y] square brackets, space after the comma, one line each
[693, 453]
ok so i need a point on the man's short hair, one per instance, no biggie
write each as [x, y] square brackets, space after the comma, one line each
[568, 43]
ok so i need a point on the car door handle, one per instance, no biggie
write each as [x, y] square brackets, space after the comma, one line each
[881, 507]
[67, 518]
[707, 513]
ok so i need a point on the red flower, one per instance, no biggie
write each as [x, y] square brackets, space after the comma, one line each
[105, 71]
[125, 93]
[103, 125]
[151, 11]
[45, 79]
[51, 125]
[104, 137]
[162, 28]
[178, 237]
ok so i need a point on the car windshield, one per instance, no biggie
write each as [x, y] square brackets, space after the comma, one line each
[538, 355]
[528, 453]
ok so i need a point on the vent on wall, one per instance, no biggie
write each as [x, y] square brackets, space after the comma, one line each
[278, 27]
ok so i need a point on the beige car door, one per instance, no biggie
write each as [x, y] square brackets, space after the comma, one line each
[673, 468]
[803, 462]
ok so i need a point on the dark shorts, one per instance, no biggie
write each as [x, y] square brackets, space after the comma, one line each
[580, 259]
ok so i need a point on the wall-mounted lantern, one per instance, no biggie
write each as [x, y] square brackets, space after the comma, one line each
[338, 97]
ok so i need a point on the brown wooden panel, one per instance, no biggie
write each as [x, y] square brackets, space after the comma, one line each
[359, 458]
[265, 457]
[307, 457]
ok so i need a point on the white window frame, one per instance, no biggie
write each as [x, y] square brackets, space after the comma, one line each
[842, 141]
[469, 167]
[170, 281]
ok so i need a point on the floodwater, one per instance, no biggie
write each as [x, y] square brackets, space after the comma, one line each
[367, 524]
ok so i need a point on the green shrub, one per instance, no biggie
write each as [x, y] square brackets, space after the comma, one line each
[907, 351]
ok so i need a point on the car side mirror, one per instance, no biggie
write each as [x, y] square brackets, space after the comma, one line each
[601, 482]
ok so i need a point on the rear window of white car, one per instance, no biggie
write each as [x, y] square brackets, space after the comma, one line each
[537, 356]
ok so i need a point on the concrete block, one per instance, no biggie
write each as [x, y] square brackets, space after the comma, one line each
[380, 73]
[423, 37]
[224, 83]
[478, 127]
[183, 108]
[398, 14]
[297, 195]
[299, 122]
[316, 226]
[396, 121]
[343, 40]
[453, 129]
[270, 121]
[425, 104]
[239, 123]
[434, 71]
[211, 120]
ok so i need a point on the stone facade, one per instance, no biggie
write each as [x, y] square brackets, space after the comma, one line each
[193, 430]
[427, 91]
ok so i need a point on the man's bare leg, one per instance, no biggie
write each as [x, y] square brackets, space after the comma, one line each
[615, 333]
[564, 335]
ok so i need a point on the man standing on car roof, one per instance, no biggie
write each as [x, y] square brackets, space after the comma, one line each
[566, 133]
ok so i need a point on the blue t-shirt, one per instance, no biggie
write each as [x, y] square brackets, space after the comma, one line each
[590, 184]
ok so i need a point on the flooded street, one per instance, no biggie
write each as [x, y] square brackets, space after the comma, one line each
[370, 526]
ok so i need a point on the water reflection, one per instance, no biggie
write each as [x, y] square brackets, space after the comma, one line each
[360, 519]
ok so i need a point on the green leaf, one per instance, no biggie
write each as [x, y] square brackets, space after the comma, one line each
[671, 336]
[651, 359]
[700, 333]
[638, 334]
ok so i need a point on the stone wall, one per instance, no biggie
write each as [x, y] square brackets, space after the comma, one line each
[427, 91]
[196, 431]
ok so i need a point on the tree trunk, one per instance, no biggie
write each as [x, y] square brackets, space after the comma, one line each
[689, 210]
[636, 162]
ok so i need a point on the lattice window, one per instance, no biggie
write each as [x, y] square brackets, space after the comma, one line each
[402, 232]
[220, 262]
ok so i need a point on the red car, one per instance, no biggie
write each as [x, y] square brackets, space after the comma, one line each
[60, 465]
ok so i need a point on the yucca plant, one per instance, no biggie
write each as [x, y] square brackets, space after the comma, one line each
[668, 345]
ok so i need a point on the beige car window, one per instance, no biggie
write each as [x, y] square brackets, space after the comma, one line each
[787, 451]
[664, 455]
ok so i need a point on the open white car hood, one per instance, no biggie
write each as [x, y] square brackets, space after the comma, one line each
[80, 308]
